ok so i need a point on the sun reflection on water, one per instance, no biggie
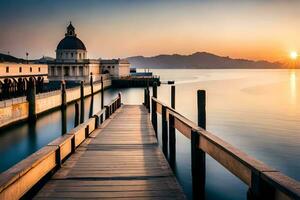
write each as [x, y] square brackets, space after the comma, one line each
[293, 86]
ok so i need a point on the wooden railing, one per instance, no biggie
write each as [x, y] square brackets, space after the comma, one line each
[20, 179]
[263, 181]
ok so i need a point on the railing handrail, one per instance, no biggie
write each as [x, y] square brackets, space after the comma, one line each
[243, 166]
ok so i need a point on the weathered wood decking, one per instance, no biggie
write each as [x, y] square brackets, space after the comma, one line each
[120, 160]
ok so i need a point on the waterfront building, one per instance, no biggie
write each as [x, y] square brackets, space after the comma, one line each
[14, 77]
[72, 63]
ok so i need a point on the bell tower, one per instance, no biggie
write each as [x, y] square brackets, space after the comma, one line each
[70, 30]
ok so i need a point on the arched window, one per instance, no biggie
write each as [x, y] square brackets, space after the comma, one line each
[79, 55]
[7, 69]
[30, 69]
[39, 69]
[20, 69]
[72, 55]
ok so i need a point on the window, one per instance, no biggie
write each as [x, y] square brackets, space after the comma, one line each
[108, 67]
[20, 69]
[79, 55]
[30, 69]
[39, 69]
[7, 69]
[67, 54]
[113, 66]
[71, 55]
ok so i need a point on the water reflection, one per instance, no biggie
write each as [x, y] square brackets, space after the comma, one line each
[293, 86]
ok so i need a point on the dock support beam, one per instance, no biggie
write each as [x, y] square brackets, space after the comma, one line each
[172, 135]
[198, 156]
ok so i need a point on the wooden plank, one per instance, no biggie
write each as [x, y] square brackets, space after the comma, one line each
[121, 160]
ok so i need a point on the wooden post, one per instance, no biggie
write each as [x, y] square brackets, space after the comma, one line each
[107, 112]
[31, 96]
[145, 97]
[172, 142]
[81, 102]
[63, 120]
[63, 95]
[259, 188]
[148, 100]
[101, 119]
[201, 96]
[91, 83]
[102, 93]
[97, 121]
[87, 130]
[173, 96]
[154, 107]
[164, 130]
[119, 100]
[154, 89]
[172, 135]
[76, 123]
[197, 155]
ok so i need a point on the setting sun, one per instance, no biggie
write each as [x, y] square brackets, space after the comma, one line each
[294, 55]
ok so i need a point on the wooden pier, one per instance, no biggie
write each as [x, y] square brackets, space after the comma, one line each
[120, 160]
[115, 154]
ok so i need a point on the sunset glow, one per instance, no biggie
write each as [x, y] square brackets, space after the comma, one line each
[258, 30]
[294, 55]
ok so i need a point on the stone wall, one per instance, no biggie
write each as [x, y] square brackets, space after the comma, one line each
[14, 110]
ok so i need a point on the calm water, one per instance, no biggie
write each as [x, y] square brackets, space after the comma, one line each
[257, 111]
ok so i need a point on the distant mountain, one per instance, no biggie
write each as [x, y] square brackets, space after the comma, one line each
[199, 60]
[9, 58]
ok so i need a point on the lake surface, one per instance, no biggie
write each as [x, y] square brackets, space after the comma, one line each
[257, 111]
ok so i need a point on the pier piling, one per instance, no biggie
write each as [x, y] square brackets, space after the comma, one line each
[31, 98]
[153, 110]
[197, 155]
[63, 95]
[76, 114]
[172, 136]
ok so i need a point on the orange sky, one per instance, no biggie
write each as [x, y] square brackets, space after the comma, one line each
[258, 29]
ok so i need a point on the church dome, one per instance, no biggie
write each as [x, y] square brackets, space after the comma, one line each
[71, 41]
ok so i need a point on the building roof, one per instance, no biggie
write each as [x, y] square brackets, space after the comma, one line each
[71, 41]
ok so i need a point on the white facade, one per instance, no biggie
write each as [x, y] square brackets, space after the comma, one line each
[72, 64]
[17, 70]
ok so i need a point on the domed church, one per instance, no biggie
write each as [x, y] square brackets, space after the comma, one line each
[72, 64]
